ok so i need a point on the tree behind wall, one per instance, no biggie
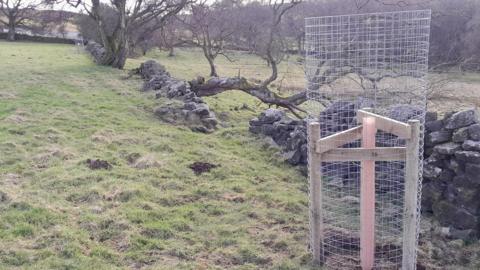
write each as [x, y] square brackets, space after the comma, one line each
[170, 36]
[15, 13]
[130, 16]
[270, 45]
[472, 42]
[211, 28]
[52, 22]
[88, 27]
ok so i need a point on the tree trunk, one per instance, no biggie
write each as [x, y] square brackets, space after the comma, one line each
[120, 38]
[210, 58]
[213, 69]
[171, 51]
[11, 33]
[120, 57]
[300, 45]
[116, 45]
[116, 53]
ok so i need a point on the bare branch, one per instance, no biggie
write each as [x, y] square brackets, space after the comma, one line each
[218, 85]
[16, 12]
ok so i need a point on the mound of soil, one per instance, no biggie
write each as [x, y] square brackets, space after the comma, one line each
[3, 197]
[201, 167]
[96, 164]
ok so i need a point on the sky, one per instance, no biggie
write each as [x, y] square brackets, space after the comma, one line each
[70, 8]
[64, 6]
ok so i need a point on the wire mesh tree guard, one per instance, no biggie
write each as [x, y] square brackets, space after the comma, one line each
[367, 98]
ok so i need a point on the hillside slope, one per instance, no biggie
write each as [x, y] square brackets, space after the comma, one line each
[149, 211]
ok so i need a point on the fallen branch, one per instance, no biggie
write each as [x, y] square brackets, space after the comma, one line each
[216, 86]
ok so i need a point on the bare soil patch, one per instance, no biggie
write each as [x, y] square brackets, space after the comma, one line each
[96, 164]
[199, 167]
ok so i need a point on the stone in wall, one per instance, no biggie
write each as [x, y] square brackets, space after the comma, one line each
[150, 69]
[288, 133]
[182, 106]
[96, 50]
[474, 132]
[461, 119]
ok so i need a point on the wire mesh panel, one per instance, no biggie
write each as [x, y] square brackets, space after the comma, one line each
[376, 61]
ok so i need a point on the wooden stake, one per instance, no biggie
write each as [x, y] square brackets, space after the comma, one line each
[315, 173]
[411, 195]
[362, 154]
[367, 198]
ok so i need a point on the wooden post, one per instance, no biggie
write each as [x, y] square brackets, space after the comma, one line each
[367, 198]
[411, 197]
[315, 173]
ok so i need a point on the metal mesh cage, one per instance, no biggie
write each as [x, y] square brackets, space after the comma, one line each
[377, 61]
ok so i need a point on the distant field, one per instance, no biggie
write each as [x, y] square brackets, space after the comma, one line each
[455, 92]
[58, 109]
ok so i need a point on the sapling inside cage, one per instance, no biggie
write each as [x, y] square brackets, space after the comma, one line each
[367, 97]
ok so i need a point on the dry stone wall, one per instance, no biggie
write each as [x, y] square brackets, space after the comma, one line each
[451, 187]
[288, 133]
[182, 106]
[96, 50]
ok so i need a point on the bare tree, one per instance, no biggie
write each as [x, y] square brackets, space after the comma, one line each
[16, 13]
[51, 22]
[270, 47]
[254, 18]
[398, 3]
[454, 35]
[295, 28]
[132, 15]
[471, 40]
[143, 37]
[170, 35]
[211, 28]
[88, 27]
[273, 50]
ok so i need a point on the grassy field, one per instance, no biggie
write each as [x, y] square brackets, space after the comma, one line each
[150, 211]
[58, 109]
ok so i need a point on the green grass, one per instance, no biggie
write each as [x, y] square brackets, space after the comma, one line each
[58, 109]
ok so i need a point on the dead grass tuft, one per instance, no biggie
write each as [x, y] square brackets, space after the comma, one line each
[103, 136]
[238, 198]
[43, 159]
[18, 117]
[145, 162]
[12, 178]
[5, 95]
